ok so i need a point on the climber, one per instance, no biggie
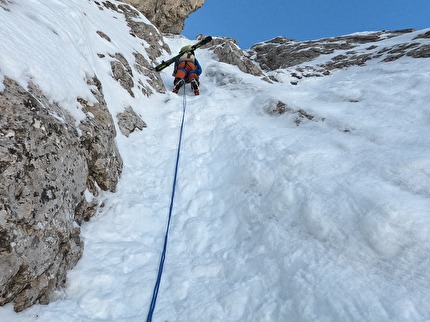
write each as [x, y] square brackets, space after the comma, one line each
[187, 70]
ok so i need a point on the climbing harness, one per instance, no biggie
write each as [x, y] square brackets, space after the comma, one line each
[166, 235]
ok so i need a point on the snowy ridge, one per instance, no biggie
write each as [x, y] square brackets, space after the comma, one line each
[321, 57]
[278, 217]
[58, 46]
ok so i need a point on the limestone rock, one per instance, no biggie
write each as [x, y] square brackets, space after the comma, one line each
[122, 73]
[129, 121]
[45, 167]
[98, 141]
[168, 15]
[43, 172]
[229, 52]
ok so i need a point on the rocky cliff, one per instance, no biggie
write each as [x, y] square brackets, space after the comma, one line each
[53, 165]
[167, 15]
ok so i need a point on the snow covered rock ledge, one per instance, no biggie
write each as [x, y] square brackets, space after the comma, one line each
[323, 56]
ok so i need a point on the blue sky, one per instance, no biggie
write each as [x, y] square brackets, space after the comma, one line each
[252, 21]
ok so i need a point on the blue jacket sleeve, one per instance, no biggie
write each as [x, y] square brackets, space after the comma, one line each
[199, 68]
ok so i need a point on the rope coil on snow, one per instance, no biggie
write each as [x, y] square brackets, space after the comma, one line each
[166, 235]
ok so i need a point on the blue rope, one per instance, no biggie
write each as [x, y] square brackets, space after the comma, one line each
[163, 254]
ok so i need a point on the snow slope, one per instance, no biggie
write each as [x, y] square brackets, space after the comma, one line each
[276, 217]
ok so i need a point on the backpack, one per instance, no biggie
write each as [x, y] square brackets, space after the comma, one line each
[188, 56]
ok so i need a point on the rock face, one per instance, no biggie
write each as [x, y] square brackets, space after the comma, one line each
[53, 168]
[98, 141]
[45, 168]
[167, 15]
[129, 121]
[228, 52]
[43, 171]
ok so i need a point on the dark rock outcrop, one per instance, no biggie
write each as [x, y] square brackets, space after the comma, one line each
[281, 52]
[129, 121]
[354, 50]
[229, 52]
[167, 15]
[98, 141]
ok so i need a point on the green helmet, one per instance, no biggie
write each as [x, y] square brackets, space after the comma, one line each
[185, 49]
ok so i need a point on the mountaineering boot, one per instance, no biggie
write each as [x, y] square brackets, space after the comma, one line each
[195, 87]
[178, 86]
